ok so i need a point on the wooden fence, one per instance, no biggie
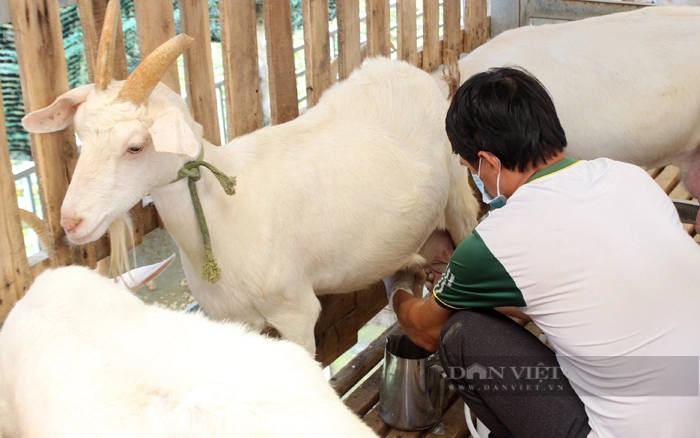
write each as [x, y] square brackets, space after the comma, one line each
[43, 76]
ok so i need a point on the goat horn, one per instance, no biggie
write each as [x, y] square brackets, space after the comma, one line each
[146, 76]
[104, 65]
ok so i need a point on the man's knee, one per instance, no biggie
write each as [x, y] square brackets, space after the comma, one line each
[461, 327]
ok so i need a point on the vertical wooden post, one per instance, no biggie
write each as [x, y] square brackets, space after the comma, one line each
[43, 75]
[92, 14]
[155, 23]
[15, 276]
[349, 53]
[316, 49]
[452, 32]
[477, 32]
[239, 43]
[432, 56]
[378, 25]
[406, 35]
[199, 69]
[284, 105]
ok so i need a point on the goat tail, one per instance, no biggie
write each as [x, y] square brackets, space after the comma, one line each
[450, 73]
[121, 238]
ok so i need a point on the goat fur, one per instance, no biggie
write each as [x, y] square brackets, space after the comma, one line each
[83, 357]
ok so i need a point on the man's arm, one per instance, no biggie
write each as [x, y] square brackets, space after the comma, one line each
[421, 320]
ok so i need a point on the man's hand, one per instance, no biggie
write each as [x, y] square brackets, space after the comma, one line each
[403, 280]
[421, 320]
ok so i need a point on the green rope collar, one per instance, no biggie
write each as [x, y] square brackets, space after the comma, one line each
[191, 171]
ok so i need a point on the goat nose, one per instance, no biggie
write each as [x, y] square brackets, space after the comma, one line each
[69, 222]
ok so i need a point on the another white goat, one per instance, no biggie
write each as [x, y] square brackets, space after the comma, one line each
[328, 203]
[625, 85]
[82, 356]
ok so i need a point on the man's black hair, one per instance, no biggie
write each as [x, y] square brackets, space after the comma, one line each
[508, 113]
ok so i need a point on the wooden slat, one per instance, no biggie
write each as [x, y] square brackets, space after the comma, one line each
[43, 75]
[14, 269]
[432, 56]
[395, 433]
[669, 178]
[680, 192]
[406, 35]
[477, 24]
[378, 25]
[374, 421]
[361, 400]
[199, 69]
[655, 172]
[451, 13]
[155, 24]
[361, 364]
[342, 316]
[316, 49]
[454, 422]
[239, 43]
[92, 14]
[280, 60]
[349, 54]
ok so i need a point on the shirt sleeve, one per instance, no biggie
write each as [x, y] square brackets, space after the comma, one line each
[476, 278]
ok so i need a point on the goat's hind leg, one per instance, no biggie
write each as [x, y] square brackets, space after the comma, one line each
[295, 318]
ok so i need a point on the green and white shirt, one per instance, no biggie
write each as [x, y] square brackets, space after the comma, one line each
[595, 253]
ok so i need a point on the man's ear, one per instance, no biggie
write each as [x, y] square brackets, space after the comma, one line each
[171, 133]
[58, 115]
[492, 161]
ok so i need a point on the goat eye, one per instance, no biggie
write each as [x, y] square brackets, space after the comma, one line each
[135, 149]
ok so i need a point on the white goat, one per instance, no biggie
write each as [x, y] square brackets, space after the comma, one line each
[626, 86]
[83, 357]
[328, 203]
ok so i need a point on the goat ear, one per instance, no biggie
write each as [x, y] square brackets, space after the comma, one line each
[171, 133]
[58, 115]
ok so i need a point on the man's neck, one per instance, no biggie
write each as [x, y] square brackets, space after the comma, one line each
[516, 179]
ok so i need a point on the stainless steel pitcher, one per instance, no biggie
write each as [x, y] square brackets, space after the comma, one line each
[411, 391]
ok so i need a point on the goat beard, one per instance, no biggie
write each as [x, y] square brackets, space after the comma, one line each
[121, 238]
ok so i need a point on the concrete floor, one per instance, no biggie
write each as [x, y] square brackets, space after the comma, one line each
[170, 288]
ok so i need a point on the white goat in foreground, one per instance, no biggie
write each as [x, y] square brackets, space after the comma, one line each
[626, 86]
[83, 357]
[328, 203]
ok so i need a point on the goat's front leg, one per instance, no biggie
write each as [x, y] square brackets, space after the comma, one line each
[295, 319]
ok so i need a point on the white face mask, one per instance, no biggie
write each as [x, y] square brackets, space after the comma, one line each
[497, 202]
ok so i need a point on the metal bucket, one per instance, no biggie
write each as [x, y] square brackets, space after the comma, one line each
[411, 391]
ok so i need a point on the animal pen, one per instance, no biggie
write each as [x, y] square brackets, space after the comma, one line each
[458, 25]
